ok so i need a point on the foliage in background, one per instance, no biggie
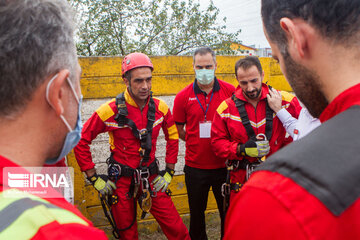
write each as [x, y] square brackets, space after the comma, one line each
[154, 27]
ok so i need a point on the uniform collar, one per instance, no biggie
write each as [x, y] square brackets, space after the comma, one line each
[342, 102]
[129, 100]
[216, 87]
[264, 91]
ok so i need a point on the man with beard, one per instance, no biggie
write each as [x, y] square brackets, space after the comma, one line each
[310, 189]
[244, 127]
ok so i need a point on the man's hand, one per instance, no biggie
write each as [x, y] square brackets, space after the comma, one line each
[162, 181]
[102, 184]
[254, 148]
[274, 99]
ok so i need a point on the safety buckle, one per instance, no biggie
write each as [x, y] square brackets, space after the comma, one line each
[225, 189]
[144, 174]
[143, 133]
[250, 167]
[136, 176]
[145, 184]
[114, 171]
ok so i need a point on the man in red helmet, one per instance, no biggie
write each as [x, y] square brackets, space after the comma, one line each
[133, 121]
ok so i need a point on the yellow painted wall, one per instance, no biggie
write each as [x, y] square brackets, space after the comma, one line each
[101, 78]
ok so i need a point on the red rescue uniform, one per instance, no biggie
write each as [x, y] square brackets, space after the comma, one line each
[42, 218]
[228, 131]
[271, 206]
[125, 150]
[187, 110]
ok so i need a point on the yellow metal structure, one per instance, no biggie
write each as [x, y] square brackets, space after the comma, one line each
[101, 78]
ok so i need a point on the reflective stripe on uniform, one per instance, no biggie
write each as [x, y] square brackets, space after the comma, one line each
[21, 217]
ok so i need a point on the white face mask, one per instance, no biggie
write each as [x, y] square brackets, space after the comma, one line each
[74, 135]
[205, 76]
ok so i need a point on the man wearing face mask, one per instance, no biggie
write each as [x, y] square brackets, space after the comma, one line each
[40, 101]
[194, 108]
[245, 129]
[133, 121]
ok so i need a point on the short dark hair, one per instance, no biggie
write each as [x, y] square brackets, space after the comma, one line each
[203, 51]
[248, 62]
[36, 41]
[337, 20]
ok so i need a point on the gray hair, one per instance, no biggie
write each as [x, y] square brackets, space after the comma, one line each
[204, 50]
[36, 41]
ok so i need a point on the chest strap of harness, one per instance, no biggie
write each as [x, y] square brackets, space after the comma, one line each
[240, 105]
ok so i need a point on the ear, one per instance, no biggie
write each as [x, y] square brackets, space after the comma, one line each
[298, 34]
[126, 81]
[215, 66]
[56, 91]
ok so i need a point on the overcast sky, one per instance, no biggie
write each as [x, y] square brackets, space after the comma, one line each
[244, 15]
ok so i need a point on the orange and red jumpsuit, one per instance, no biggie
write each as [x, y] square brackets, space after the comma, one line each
[125, 150]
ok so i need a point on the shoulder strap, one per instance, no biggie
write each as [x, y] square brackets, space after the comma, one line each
[269, 121]
[326, 162]
[240, 105]
[121, 116]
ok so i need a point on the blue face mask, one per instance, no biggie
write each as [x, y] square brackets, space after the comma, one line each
[73, 136]
[205, 76]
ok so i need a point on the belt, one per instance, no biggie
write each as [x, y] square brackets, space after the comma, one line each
[117, 169]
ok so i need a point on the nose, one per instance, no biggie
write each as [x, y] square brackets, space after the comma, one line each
[251, 87]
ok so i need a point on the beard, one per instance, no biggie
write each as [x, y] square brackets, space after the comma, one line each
[306, 86]
[254, 94]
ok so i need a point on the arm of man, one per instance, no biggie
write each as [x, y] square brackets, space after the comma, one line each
[180, 115]
[93, 127]
[181, 131]
[163, 180]
[274, 99]
[171, 134]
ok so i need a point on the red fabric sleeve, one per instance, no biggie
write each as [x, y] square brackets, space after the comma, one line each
[221, 142]
[179, 108]
[72, 231]
[171, 137]
[255, 214]
[93, 126]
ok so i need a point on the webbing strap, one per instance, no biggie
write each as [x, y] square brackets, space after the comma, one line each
[240, 105]
[122, 119]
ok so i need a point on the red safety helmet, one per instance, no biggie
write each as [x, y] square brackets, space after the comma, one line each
[135, 60]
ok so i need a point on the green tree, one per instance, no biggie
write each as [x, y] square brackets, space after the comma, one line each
[154, 27]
